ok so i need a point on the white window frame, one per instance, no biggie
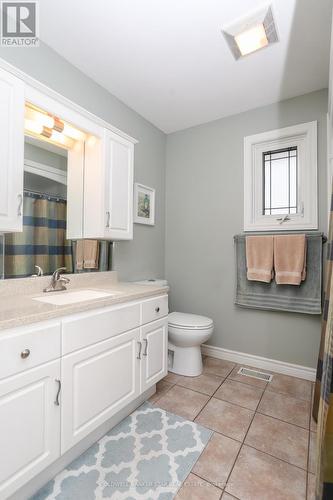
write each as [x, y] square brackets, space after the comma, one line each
[304, 136]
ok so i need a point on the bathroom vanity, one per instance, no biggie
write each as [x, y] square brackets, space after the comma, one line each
[76, 362]
[67, 378]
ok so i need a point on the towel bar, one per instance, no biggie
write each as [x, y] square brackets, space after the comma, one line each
[308, 235]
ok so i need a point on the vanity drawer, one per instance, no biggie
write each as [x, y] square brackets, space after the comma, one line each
[28, 346]
[84, 329]
[154, 309]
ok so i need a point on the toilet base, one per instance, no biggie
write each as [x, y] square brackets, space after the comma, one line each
[187, 361]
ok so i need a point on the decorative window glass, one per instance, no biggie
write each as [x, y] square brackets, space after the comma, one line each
[280, 179]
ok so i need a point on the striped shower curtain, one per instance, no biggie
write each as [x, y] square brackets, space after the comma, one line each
[43, 240]
[323, 397]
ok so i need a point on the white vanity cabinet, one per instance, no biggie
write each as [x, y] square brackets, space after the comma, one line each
[154, 338]
[98, 381]
[29, 425]
[11, 152]
[61, 380]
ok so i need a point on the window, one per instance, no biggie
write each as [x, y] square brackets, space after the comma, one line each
[280, 179]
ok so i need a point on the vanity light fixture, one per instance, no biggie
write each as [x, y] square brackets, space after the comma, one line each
[48, 127]
[255, 32]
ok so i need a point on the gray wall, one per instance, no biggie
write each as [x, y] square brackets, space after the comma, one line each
[144, 256]
[204, 200]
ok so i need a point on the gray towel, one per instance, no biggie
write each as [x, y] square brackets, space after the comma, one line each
[305, 298]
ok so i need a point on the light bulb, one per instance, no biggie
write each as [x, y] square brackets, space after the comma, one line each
[252, 39]
[33, 126]
[74, 133]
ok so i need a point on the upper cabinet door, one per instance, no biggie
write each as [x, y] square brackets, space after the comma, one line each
[11, 152]
[119, 156]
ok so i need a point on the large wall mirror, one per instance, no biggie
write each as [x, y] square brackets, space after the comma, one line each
[42, 246]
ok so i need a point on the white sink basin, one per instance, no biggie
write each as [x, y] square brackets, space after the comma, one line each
[64, 298]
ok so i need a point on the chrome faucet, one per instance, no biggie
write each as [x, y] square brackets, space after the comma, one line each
[39, 272]
[58, 281]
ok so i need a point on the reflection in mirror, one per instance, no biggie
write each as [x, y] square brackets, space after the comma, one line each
[42, 246]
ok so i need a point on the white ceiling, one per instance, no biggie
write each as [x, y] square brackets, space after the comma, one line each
[168, 60]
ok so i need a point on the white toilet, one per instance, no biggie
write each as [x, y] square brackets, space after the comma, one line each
[186, 334]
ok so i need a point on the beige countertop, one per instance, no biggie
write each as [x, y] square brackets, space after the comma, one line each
[18, 307]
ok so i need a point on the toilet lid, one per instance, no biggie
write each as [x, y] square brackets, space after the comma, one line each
[184, 320]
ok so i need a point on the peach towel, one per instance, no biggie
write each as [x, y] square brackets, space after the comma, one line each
[87, 254]
[259, 258]
[290, 259]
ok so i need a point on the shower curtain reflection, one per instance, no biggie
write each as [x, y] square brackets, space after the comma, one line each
[43, 240]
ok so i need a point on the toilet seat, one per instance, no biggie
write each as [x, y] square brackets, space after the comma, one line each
[185, 321]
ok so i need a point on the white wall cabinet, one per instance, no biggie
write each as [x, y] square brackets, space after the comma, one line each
[11, 152]
[29, 425]
[154, 338]
[100, 167]
[108, 190]
[119, 188]
[97, 382]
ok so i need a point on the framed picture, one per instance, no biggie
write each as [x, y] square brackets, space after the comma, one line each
[144, 204]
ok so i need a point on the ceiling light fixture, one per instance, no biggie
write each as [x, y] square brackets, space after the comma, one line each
[248, 35]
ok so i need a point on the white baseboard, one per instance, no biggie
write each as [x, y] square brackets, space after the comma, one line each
[260, 362]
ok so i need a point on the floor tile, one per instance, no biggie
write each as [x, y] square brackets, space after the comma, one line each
[239, 394]
[282, 440]
[183, 402]
[162, 387]
[312, 452]
[311, 493]
[313, 425]
[257, 476]
[216, 366]
[292, 386]
[226, 496]
[195, 488]
[293, 410]
[205, 383]
[247, 380]
[172, 378]
[226, 418]
[217, 460]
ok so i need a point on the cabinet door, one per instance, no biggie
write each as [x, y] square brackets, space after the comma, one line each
[154, 353]
[98, 381]
[29, 425]
[11, 152]
[119, 188]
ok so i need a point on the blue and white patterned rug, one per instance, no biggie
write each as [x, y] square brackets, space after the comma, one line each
[147, 455]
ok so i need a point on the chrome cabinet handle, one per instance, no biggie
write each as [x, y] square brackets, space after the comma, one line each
[19, 209]
[56, 401]
[146, 347]
[25, 353]
[108, 219]
[157, 309]
[140, 349]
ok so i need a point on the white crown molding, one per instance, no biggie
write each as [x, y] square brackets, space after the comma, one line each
[41, 87]
[273, 365]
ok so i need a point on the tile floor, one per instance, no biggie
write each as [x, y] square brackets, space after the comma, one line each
[263, 442]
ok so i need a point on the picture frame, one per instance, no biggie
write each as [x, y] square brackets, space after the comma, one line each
[144, 205]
